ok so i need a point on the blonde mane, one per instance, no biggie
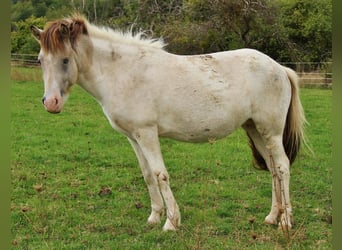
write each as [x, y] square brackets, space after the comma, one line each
[52, 38]
[125, 37]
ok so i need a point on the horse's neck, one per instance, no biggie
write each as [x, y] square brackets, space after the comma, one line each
[100, 66]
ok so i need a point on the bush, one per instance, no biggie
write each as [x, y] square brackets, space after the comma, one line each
[22, 42]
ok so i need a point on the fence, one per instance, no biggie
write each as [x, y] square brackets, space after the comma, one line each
[310, 73]
[25, 60]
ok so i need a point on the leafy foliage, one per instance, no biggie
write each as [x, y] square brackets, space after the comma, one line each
[309, 25]
[287, 30]
[21, 40]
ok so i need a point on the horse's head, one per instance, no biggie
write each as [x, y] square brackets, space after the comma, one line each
[58, 59]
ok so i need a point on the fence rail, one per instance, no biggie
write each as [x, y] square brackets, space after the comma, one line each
[25, 60]
[310, 73]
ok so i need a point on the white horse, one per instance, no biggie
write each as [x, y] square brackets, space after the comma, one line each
[146, 92]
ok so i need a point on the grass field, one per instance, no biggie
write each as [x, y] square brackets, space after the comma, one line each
[76, 184]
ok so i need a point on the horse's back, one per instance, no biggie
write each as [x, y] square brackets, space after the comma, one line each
[216, 93]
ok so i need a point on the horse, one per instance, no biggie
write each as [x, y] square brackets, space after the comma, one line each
[147, 93]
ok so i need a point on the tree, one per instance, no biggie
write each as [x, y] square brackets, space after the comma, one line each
[21, 10]
[287, 30]
[308, 24]
[22, 42]
[216, 25]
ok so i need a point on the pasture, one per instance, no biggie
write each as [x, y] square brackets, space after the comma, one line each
[76, 183]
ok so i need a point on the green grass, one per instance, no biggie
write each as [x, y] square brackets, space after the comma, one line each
[60, 163]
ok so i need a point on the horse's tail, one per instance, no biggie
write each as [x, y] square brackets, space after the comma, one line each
[293, 134]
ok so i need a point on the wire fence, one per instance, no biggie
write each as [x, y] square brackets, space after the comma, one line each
[310, 73]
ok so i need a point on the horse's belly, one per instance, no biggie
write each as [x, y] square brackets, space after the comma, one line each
[200, 130]
[194, 137]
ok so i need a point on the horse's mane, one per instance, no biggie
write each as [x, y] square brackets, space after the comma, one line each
[52, 38]
[125, 37]
[54, 34]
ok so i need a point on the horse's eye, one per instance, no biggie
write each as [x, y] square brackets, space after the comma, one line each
[65, 61]
[38, 61]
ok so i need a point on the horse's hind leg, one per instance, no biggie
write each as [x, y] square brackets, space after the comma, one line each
[273, 156]
[148, 141]
[157, 203]
[280, 169]
[259, 144]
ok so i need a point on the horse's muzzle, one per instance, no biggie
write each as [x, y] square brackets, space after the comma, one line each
[53, 104]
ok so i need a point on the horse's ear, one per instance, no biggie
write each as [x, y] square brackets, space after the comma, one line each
[36, 32]
[64, 30]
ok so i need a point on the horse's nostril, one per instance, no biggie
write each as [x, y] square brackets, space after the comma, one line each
[43, 100]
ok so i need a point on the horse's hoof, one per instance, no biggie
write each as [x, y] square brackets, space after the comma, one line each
[154, 218]
[270, 220]
[285, 223]
[284, 227]
[169, 226]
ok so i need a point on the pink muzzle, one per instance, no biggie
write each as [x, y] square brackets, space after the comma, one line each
[53, 103]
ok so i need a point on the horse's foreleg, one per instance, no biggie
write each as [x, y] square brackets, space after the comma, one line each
[148, 141]
[157, 203]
